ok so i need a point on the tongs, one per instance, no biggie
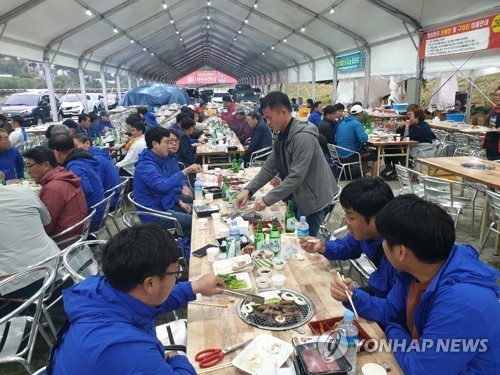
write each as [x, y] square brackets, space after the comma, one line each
[246, 296]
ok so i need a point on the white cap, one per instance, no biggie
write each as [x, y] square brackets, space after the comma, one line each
[356, 109]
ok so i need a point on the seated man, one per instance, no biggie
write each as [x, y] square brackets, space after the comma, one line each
[82, 164]
[315, 116]
[328, 126]
[361, 200]
[53, 130]
[147, 116]
[105, 165]
[18, 136]
[129, 121]
[11, 160]
[352, 135]
[158, 182]
[185, 154]
[61, 192]
[72, 126]
[94, 130]
[104, 124]
[126, 167]
[84, 126]
[112, 328]
[443, 310]
[239, 124]
[261, 135]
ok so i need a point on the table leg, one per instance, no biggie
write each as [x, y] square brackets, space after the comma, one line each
[407, 155]
[484, 220]
[379, 159]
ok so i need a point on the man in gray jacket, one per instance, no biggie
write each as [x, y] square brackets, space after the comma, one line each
[298, 159]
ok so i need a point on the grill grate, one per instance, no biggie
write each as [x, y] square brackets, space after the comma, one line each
[263, 321]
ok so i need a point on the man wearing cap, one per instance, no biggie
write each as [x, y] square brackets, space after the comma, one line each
[315, 116]
[103, 125]
[229, 108]
[352, 136]
[239, 124]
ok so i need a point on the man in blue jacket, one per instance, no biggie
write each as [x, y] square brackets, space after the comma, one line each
[315, 116]
[106, 166]
[261, 135]
[158, 182]
[82, 164]
[112, 328]
[361, 200]
[84, 124]
[11, 160]
[442, 313]
[104, 124]
[149, 117]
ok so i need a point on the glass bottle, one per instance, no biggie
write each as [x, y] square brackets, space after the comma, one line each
[259, 237]
[275, 238]
[225, 189]
[289, 218]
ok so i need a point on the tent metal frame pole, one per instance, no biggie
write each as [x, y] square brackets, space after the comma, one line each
[50, 87]
[81, 76]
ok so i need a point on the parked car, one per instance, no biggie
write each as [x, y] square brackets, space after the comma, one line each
[217, 97]
[258, 91]
[206, 95]
[97, 98]
[33, 106]
[72, 105]
[244, 92]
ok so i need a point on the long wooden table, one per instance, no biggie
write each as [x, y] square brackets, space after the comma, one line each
[215, 327]
[490, 178]
[207, 151]
[402, 145]
[462, 128]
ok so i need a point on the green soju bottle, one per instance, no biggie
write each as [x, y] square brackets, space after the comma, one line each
[289, 219]
[259, 238]
[225, 189]
[275, 238]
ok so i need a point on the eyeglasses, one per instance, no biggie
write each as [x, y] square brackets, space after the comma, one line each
[172, 141]
[28, 166]
[346, 219]
[177, 273]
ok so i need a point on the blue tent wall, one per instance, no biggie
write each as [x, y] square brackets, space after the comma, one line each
[155, 95]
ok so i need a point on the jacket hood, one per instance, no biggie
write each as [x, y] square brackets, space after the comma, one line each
[350, 118]
[61, 174]
[148, 155]
[77, 154]
[98, 151]
[299, 127]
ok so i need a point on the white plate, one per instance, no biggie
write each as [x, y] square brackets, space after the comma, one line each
[244, 276]
[263, 351]
[225, 266]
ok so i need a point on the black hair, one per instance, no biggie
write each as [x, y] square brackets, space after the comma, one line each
[136, 253]
[276, 100]
[83, 138]
[49, 129]
[329, 109]
[340, 107]
[366, 196]
[175, 133]
[255, 116]
[70, 124]
[155, 134]
[227, 98]
[316, 104]
[187, 123]
[310, 101]
[132, 119]
[179, 117]
[83, 117]
[41, 154]
[357, 103]
[3, 118]
[140, 126]
[142, 110]
[189, 112]
[93, 117]
[61, 142]
[18, 119]
[424, 227]
[293, 100]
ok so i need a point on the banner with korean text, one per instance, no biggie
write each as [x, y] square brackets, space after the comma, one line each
[471, 36]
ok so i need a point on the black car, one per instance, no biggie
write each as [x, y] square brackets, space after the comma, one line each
[34, 107]
[243, 92]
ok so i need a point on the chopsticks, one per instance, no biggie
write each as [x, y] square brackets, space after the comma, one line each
[218, 367]
[349, 297]
[208, 304]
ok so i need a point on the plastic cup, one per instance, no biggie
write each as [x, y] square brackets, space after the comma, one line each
[262, 282]
[212, 254]
[209, 198]
[278, 281]
[203, 223]
[205, 167]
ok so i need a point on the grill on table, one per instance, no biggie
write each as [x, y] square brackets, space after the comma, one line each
[258, 319]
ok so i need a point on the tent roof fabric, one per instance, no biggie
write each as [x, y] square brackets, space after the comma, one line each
[155, 95]
[164, 40]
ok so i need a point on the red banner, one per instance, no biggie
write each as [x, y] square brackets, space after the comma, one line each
[205, 78]
[470, 36]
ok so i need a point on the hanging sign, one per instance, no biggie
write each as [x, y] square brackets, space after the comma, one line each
[352, 61]
[205, 77]
[471, 36]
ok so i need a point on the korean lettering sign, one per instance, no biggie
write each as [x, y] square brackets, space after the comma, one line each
[476, 35]
[352, 61]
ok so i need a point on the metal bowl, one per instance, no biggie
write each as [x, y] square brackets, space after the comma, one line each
[479, 166]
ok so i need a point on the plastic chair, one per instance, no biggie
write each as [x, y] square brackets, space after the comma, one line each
[122, 186]
[406, 181]
[494, 204]
[80, 261]
[19, 327]
[106, 202]
[336, 159]
[258, 157]
[84, 224]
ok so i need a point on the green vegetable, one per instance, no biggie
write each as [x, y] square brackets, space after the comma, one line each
[232, 282]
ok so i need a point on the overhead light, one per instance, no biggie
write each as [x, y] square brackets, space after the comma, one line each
[171, 21]
[234, 39]
[164, 6]
[132, 41]
[284, 40]
[263, 53]
[177, 31]
[303, 29]
[239, 31]
[332, 11]
[208, 3]
[272, 47]
[255, 5]
[115, 30]
[208, 17]
[88, 12]
[246, 21]
[180, 39]
[144, 49]
[208, 26]
[152, 54]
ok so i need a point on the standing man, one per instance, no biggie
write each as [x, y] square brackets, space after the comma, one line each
[315, 116]
[19, 135]
[11, 161]
[298, 158]
[229, 107]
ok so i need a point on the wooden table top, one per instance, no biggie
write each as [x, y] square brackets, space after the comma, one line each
[215, 327]
[390, 142]
[463, 128]
[209, 149]
[490, 178]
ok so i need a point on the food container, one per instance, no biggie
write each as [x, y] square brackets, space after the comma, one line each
[311, 359]
[213, 190]
[456, 117]
[319, 327]
[278, 281]
[264, 272]
[262, 258]
[262, 282]
[278, 264]
[206, 210]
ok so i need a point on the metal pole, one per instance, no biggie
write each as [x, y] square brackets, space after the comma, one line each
[118, 84]
[313, 80]
[298, 81]
[469, 97]
[366, 97]
[129, 82]
[81, 76]
[103, 85]
[50, 87]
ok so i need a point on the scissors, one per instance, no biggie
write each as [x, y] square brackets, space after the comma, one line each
[210, 357]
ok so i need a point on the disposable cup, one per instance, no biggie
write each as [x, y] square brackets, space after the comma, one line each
[202, 223]
[262, 282]
[205, 167]
[278, 281]
[264, 272]
[212, 254]
[209, 198]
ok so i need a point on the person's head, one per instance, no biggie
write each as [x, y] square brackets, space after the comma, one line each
[130, 120]
[300, 100]
[39, 162]
[203, 105]
[94, 119]
[72, 126]
[416, 114]
[57, 129]
[309, 103]
[276, 109]
[142, 261]
[4, 140]
[318, 106]
[357, 111]
[340, 110]
[227, 101]
[84, 120]
[187, 124]
[415, 231]
[179, 117]
[3, 119]
[48, 131]
[141, 111]
[104, 115]
[329, 112]
[293, 100]
[157, 140]
[173, 141]
[253, 118]
[61, 145]
[496, 97]
[17, 121]
[361, 200]
[240, 113]
[82, 141]
[137, 129]
[191, 113]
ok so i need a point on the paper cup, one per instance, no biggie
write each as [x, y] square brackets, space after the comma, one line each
[202, 223]
[216, 216]
[278, 281]
[262, 282]
[209, 198]
[212, 254]
[205, 167]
